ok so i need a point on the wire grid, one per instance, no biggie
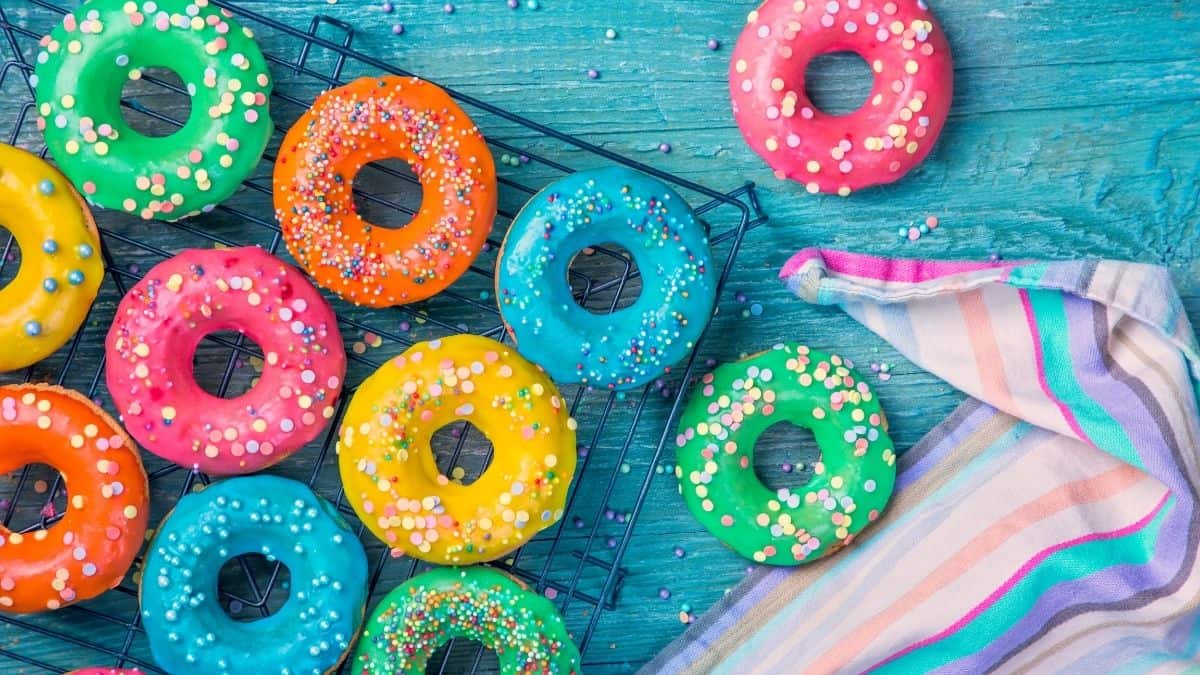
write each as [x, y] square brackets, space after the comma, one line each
[564, 562]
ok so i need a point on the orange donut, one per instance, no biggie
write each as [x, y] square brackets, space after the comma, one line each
[89, 550]
[371, 119]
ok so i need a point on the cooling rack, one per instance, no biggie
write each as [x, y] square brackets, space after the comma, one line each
[570, 563]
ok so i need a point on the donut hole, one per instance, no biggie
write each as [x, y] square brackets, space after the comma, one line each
[784, 455]
[156, 104]
[33, 497]
[461, 655]
[251, 587]
[604, 278]
[387, 194]
[462, 451]
[838, 83]
[10, 257]
[225, 367]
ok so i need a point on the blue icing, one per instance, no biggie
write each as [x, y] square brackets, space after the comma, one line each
[282, 520]
[634, 345]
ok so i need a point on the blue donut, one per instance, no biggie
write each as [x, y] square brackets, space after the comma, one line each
[634, 345]
[282, 520]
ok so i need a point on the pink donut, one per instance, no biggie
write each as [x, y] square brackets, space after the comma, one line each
[161, 321]
[876, 144]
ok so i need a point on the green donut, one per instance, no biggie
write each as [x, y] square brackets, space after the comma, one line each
[735, 404]
[477, 603]
[85, 61]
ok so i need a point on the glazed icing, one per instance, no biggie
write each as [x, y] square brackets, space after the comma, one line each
[524, 629]
[636, 344]
[732, 406]
[106, 43]
[282, 520]
[392, 479]
[61, 268]
[90, 548]
[371, 119]
[159, 325]
[878, 143]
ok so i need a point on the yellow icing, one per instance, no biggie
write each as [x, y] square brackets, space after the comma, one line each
[61, 268]
[390, 473]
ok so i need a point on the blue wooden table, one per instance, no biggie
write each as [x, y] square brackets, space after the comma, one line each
[1075, 132]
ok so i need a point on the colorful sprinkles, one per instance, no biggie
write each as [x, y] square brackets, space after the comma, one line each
[392, 480]
[632, 346]
[735, 404]
[161, 321]
[112, 41]
[373, 119]
[282, 520]
[475, 603]
[892, 133]
[90, 549]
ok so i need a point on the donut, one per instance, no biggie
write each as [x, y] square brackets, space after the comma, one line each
[159, 325]
[631, 346]
[390, 474]
[734, 405]
[878, 143]
[104, 43]
[61, 271]
[368, 120]
[281, 519]
[483, 604]
[89, 549]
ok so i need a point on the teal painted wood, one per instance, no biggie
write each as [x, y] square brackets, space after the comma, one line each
[1075, 132]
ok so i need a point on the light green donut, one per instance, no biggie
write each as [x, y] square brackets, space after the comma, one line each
[735, 404]
[86, 60]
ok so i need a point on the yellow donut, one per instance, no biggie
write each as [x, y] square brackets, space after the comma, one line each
[391, 476]
[60, 270]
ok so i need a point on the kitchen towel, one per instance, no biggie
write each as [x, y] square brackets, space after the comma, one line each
[1049, 524]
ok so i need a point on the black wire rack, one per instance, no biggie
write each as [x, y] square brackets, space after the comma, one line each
[567, 562]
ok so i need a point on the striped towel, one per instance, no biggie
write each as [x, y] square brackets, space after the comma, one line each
[1049, 525]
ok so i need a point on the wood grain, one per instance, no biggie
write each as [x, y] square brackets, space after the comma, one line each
[1075, 132]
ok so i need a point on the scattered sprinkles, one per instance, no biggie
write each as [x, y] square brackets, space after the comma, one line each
[282, 520]
[810, 388]
[370, 119]
[634, 211]
[384, 448]
[91, 145]
[104, 518]
[909, 57]
[475, 603]
[204, 290]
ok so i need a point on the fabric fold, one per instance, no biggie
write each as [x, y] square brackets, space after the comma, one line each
[1051, 517]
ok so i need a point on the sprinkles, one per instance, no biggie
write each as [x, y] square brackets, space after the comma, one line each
[282, 520]
[391, 478]
[60, 273]
[114, 165]
[734, 405]
[632, 346]
[76, 559]
[162, 319]
[890, 135]
[475, 603]
[368, 120]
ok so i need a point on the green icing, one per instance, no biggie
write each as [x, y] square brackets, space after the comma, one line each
[104, 43]
[735, 404]
[476, 603]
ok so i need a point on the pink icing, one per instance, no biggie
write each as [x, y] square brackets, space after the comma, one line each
[161, 321]
[878, 143]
